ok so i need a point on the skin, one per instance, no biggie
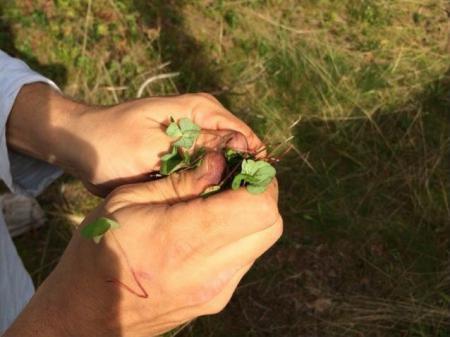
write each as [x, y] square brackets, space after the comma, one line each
[176, 256]
[187, 254]
[118, 144]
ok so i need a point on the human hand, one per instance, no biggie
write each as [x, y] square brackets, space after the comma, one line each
[129, 139]
[109, 146]
[175, 257]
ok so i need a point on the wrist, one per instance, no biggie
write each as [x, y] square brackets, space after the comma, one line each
[40, 319]
[43, 124]
[67, 304]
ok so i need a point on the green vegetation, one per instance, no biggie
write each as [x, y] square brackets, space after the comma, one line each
[358, 90]
[256, 175]
[179, 157]
[96, 229]
[241, 168]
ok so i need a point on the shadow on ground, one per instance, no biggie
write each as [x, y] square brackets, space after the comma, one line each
[366, 228]
[187, 55]
[57, 72]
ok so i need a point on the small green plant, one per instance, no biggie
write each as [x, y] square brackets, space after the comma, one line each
[98, 228]
[243, 169]
[256, 175]
[186, 130]
[179, 157]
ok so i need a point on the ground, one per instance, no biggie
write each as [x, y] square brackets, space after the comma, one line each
[359, 92]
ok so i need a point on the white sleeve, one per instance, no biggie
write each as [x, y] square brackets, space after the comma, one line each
[20, 173]
[16, 286]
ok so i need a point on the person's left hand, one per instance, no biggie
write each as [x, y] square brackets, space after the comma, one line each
[129, 139]
[110, 146]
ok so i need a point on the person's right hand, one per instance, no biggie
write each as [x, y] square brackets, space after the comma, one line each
[175, 257]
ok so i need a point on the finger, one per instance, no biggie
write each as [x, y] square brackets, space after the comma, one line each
[209, 300]
[225, 217]
[179, 186]
[217, 140]
[223, 298]
[218, 269]
[102, 190]
[204, 301]
[225, 120]
[247, 249]
[207, 113]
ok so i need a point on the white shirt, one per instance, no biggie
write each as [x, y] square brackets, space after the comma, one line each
[21, 174]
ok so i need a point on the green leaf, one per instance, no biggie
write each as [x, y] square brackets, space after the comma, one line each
[187, 130]
[257, 175]
[197, 157]
[256, 189]
[173, 130]
[237, 181]
[96, 229]
[172, 162]
[170, 155]
[185, 141]
[259, 169]
[187, 125]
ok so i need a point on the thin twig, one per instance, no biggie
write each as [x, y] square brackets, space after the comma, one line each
[112, 88]
[86, 27]
[44, 254]
[153, 79]
[111, 83]
[85, 36]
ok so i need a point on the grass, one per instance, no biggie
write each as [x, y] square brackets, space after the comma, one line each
[363, 86]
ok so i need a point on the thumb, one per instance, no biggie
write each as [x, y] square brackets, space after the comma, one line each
[216, 140]
[181, 186]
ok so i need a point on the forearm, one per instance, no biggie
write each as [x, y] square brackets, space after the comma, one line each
[37, 321]
[63, 306]
[43, 123]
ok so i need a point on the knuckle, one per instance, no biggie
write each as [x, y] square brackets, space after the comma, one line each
[215, 306]
[202, 295]
[182, 250]
[263, 207]
[117, 198]
[275, 184]
[119, 191]
[267, 208]
[206, 95]
[179, 250]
